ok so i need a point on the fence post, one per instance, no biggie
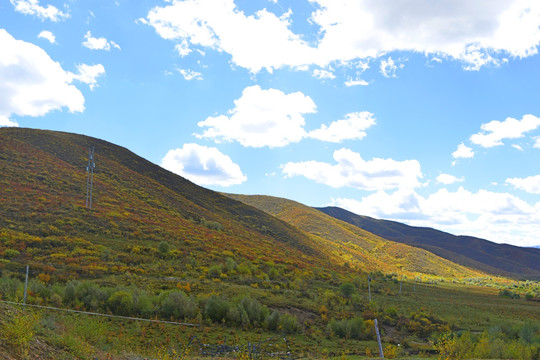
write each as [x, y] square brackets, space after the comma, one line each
[26, 285]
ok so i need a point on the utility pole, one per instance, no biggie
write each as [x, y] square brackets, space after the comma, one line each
[90, 177]
[369, 287]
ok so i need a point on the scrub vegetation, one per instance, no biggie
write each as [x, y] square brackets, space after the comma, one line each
[156, 246]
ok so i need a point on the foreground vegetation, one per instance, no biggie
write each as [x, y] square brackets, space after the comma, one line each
[158, 247]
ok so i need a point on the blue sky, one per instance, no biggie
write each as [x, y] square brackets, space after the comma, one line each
[422, 112]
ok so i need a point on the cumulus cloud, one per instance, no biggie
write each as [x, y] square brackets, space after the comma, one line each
[477, 33]
[261, 118]
[530, 184]
[352, 127]
[463, 151]
[32, 83]
[203, 165]
[32, 7]
[499, 217]
[47, 35]
[448, 179]
[88, 74]
[190, 74]
[494, 132]
[352, 171]
[101, 43]
[258, 41]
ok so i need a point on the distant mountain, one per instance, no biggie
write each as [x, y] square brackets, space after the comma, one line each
[347, 243]
[498, 259]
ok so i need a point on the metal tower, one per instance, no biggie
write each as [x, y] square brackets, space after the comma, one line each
[90, 177]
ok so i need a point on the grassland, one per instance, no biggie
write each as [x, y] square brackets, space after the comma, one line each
[156, 246]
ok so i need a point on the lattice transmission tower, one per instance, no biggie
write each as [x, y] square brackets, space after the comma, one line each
[90, 177]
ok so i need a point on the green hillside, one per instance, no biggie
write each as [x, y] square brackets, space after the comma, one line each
[498, 259]
[158, 247]
[357, 247]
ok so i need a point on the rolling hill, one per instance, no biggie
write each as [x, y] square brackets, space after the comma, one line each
[156, 246]
[139, 204]
[354, 245]
[493, 258]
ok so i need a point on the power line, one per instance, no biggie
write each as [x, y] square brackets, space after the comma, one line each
[99, 314]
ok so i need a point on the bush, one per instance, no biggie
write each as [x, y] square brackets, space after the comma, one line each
[273, 320]
[254, 310]
[347, 290]
[177, 305]
[11, 253]
[121, 303]
[216, 309]
[164, 248]
[91, 296]
[289, 324]
[214, 271]
[8, 288]
[354, 328]
[18, 332]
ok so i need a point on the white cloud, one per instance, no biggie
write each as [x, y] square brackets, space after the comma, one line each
[448, 179]
[494, 132]
[463, 151]
[32, 83]
[498, 217]
[262, 118]
[101, 43]
[190, 74]
[203, 165]
[258, 41]
[48, 36]
[88, 74]
[477, 33]
[32, 7]
[352, 127]
[356, 82]
[517, 147]
[530, 184]
[352, 171]
[5, 121]
[323, 74]
[389, 67]
[537, 142]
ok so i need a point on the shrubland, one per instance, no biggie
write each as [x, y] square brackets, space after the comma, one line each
[157, 247]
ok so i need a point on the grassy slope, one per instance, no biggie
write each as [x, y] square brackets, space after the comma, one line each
[500, 259]
[43, 186]
[356, 246]
[43, 223]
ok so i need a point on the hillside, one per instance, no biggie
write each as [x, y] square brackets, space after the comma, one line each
[159, 248]
[493, 258]
[358, 247]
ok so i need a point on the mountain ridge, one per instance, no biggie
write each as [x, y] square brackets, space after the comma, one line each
[362, 246]
[481, 254]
